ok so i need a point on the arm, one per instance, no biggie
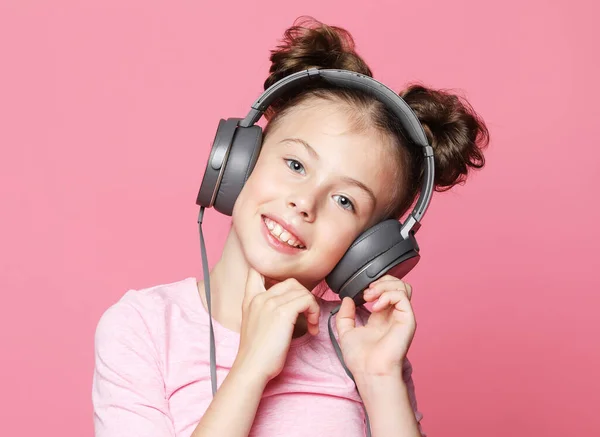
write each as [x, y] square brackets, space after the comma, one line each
[389, 405]
[232, 410]
[394, 393]
[407, 371]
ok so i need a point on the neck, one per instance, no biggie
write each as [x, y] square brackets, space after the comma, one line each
[227, 284]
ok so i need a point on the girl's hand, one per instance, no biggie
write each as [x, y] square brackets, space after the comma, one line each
[268, 320]
[379, 347]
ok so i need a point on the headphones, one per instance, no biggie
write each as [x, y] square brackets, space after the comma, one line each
[389, 247]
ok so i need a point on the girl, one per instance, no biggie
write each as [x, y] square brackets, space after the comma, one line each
[332, 164]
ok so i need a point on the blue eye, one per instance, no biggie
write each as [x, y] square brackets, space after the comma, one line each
[344, 202]
[294, 165]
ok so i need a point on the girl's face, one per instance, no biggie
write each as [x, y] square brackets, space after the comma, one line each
[317, 185]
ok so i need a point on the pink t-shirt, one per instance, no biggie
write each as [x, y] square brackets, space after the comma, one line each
[152, 372]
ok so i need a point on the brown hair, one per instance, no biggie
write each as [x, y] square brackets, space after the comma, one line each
[456, 133]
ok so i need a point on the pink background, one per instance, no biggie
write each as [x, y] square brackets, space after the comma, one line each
[107, 111]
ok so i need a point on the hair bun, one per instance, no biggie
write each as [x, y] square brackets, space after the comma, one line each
[454, 130]
[310, 43]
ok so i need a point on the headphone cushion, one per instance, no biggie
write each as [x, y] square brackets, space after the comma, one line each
[372, 243]
[243, 155]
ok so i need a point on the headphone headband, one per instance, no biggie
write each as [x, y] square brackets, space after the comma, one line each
[351, 79]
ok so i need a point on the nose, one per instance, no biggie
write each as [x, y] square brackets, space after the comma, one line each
[303, 204]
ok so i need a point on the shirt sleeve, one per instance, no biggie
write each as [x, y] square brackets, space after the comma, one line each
[128, 391]
[407, 377]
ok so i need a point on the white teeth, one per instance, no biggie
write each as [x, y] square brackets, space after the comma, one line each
[277, 231]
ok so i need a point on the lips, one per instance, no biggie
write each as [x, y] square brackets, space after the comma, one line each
[283, 232]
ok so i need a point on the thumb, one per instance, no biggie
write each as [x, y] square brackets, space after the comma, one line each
[255, 284]
[346, 317]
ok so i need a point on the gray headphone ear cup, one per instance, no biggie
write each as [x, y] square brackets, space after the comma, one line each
[243, 155]
[368, 245]
[213, 176]
[379, 250]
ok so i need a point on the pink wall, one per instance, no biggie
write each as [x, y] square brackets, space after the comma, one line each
[106, 115]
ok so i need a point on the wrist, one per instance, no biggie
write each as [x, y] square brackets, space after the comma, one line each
[379, 372]
[375, 386]
[248, 377]
[388, 404]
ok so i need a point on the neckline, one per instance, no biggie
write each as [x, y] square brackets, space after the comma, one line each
[223, 332]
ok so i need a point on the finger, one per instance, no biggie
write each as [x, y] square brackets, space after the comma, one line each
[394, 298]
[346, 316]
[390, 278]
[312, 316]
[307, 304]
[280, 295]
[377, 290]
[255, 284]
[384, 278]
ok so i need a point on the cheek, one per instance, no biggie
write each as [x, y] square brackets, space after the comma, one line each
[335, 242]
[241, 205]
[257, 188]
[329, 257]
[262, 179]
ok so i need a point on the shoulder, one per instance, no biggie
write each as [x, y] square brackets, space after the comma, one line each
[139, 312]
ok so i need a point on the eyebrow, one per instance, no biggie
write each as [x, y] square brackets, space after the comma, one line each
[346, 179]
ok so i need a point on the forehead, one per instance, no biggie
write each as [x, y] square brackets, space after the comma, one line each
[333, 127]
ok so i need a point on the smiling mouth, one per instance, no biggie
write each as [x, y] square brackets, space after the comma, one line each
[281, 234]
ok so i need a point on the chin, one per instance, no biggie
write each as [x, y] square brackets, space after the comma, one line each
[267, 261]
[268, 265]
